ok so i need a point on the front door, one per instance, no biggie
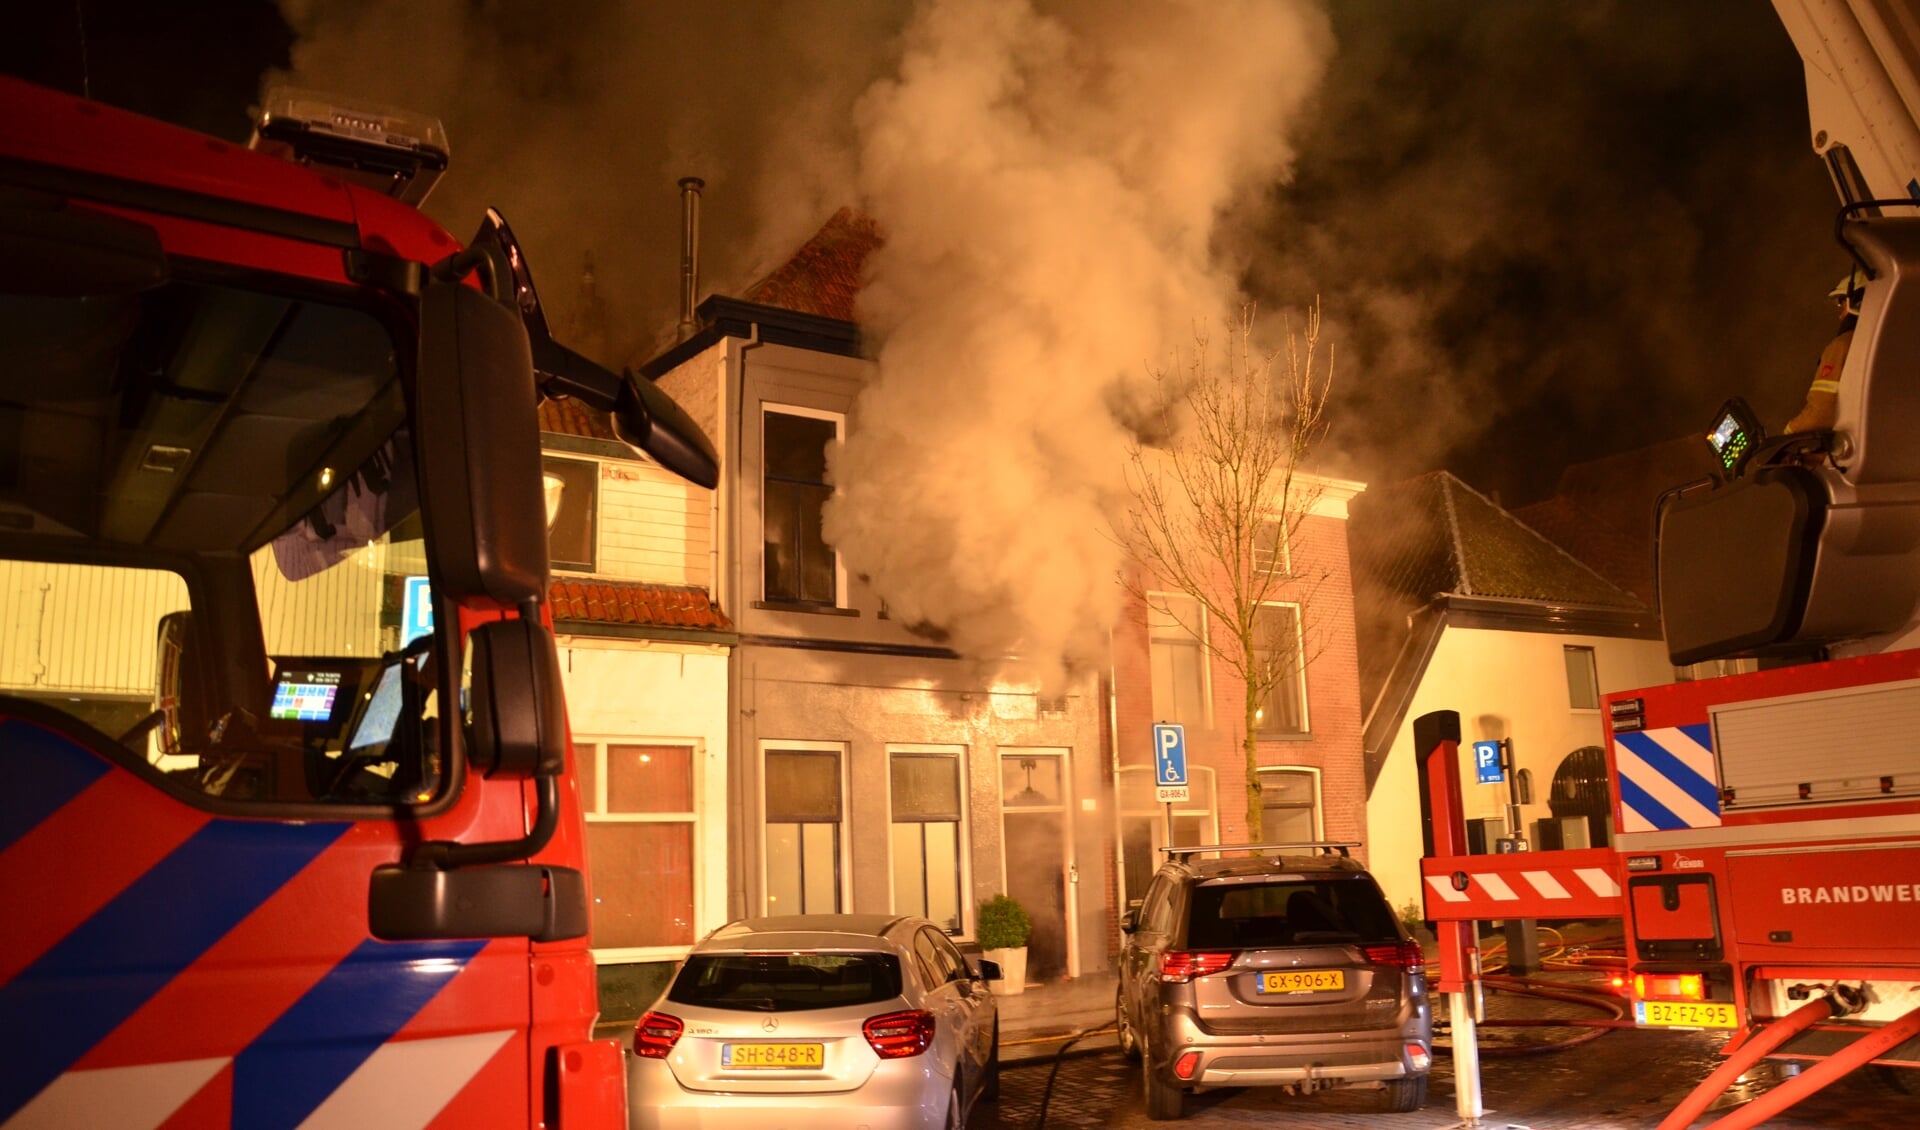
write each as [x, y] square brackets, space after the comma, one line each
[1033, 823]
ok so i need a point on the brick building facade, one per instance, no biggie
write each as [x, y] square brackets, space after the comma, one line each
[1313, 768]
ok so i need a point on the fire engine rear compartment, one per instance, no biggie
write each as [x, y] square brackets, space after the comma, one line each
[1803, 879]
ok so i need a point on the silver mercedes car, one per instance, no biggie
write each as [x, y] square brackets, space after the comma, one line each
[818, 1020]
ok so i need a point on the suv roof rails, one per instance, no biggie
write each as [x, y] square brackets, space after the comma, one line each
[1325, 847]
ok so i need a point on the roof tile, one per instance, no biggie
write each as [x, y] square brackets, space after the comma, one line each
[823, 278]
[571, 418]
[636, 603]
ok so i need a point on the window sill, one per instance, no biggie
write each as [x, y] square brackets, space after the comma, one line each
[804, 606]
[1303, 736]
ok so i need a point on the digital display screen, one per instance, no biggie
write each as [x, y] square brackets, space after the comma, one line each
[382, 711]
[1729, 440]
[305, 696]
[1735, 434]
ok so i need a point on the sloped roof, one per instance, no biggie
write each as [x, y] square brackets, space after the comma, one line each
[1431, 549]
[635, 603]
[1625, 559]
[1602, 510]
[571, 418]
[1435, 534]
[823, 277]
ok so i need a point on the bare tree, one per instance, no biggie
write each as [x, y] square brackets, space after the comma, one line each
[1218, 498]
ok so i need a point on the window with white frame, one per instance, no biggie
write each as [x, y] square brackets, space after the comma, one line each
[1177, 658]
[800, 567]
[1270, 549]
[1276, 633]
[804, 808]
[1583, 679]
[1289, 805]
[642, 823]
[925, 789]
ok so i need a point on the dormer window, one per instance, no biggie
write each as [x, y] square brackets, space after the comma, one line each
[800, 566]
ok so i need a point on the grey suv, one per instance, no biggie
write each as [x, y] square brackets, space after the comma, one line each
[1280, 966]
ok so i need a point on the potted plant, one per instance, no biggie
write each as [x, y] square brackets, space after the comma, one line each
[1003, 932]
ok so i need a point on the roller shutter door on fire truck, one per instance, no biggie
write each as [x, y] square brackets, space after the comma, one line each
[1818, 748]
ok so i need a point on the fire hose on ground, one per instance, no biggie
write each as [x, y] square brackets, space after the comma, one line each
[1526, 986]
[1560, 957]
[1857, 1054]
[1743, 1059]
[1740, 1060]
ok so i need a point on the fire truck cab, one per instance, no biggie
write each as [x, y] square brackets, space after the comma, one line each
[290, 831]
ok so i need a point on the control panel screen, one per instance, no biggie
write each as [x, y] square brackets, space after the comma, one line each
[305, 696]
[1735, 434]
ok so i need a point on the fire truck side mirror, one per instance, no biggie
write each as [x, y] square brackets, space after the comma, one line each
[649, 420]
[518, 726]
[478, 435]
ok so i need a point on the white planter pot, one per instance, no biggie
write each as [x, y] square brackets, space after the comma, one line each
[1013, 970]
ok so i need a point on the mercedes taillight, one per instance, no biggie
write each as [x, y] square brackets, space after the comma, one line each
[899, 1035]
[656, 1034]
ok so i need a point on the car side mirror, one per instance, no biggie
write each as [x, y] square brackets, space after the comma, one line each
[1131, 922]
[989, 970]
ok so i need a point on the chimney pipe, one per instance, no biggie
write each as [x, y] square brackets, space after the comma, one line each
[689, 251]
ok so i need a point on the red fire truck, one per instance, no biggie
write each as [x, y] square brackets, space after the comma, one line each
[1766, 861]
[290, 831]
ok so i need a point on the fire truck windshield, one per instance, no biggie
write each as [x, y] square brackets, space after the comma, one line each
[210, 548]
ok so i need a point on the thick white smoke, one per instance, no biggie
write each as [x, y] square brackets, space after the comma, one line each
[1054, 179]
[1051, 181]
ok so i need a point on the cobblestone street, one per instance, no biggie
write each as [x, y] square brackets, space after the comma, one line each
[1626, 1080]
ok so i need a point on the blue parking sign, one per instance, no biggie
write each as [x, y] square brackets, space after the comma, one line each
[1169, 754]
[416, 610]
[1486, 763]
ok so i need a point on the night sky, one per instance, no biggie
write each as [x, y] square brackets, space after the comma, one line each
[1542, 233]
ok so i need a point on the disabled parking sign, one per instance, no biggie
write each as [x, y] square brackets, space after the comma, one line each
[1169, 761]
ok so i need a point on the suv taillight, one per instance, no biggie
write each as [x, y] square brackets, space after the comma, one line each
[656, 1034]
[1177, 967]
[899, 1035]
[1404, 955]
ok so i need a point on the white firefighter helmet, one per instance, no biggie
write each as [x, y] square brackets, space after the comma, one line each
[1848, 290]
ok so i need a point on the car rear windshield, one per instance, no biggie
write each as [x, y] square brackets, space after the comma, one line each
[786, 982]
[1237, 914]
